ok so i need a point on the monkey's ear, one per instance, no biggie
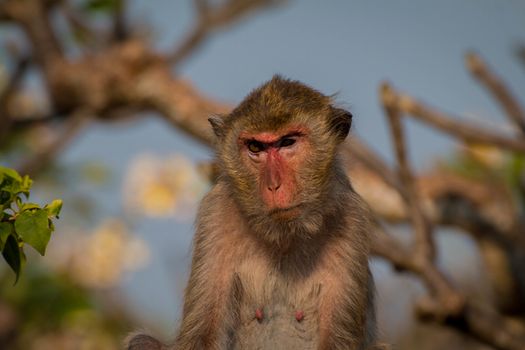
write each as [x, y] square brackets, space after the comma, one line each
[217, 124]
[341, 122]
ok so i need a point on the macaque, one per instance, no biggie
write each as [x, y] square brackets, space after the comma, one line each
[281, 247]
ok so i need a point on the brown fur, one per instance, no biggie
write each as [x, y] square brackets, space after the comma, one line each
[246, 260]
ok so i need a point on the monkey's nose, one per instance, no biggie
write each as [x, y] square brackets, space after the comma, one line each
[272, 178]
[273, 187]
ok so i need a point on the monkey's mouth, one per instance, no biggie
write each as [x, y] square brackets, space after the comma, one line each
[286, 213]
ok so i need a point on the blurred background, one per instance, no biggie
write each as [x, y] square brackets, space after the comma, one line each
[104, 104]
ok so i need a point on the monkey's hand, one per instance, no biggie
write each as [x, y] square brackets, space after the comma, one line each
[140, 341]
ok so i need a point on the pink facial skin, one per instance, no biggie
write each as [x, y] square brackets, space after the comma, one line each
[277, 157]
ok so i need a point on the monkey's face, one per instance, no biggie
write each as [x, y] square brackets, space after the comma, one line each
[276, 152]
[274, 159]
[281, 178]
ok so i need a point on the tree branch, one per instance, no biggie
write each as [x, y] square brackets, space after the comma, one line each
[33, 17]
[78, 25]
[211, 18]
[424, 244]
[4, 12]
[451, 309]
[357, 149]
[453, 126]
[5, 121]
[120, 26]
[43, 157]
[178, 103]
[498, 89]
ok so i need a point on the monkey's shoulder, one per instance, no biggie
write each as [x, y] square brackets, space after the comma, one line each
[218, 223]
[216, 209]
[219, 200]
[356, 216]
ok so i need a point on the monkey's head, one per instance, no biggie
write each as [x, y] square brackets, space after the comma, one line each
[277, 151]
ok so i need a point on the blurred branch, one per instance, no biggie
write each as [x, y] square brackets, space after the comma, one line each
[356, 148]
[178, 102]
[489, 327]
[421, 259]
[78, 24]
[424, 244]
[43, 157]
[460, 129]
[451, 308]
[479, 322]
[120, 26]
[211, 17]
[33, 17]
[387, 247]
[475, 207]
[5, 121]
[447, 305]
[4, 12]
[498, 89]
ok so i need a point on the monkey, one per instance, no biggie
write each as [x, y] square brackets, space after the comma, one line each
[280, 252]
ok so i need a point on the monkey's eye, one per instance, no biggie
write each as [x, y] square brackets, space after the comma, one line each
[287, 141]
[255, 146]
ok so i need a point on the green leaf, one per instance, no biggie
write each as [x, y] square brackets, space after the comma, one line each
[12, 184]
[5, 197]
[14, 256]
[53, 208]
[101, 5]
[80, 35]
[29, 206]
[6, 228]
[25, 186]
[11, 188]
[517, 165]
[13, 174]
[32, 226]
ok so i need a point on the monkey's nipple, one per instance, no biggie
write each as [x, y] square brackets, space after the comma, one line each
[259, 314]
[299, 315]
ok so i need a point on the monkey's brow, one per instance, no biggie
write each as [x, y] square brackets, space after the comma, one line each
[270, 138]
[292, 134]
[274, 143]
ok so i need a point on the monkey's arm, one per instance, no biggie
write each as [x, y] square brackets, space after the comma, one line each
[208, 308]
[141, 341]
[209, 302]
[347, 318]
[346, 310]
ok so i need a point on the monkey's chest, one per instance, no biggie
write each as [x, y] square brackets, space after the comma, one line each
[273, 315]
